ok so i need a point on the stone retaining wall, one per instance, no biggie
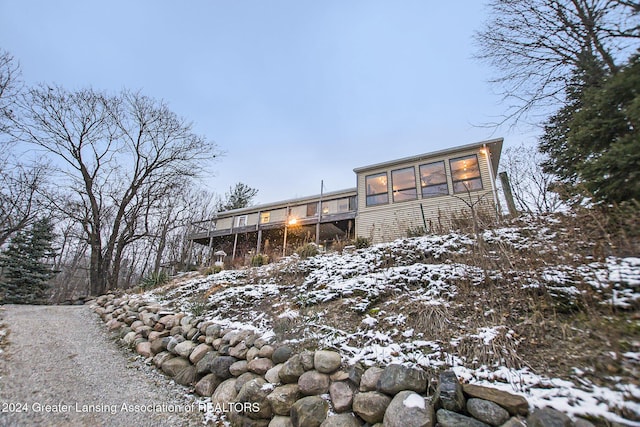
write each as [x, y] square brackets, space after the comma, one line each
[259, 383]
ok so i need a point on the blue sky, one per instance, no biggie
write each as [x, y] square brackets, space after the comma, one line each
[294, 92]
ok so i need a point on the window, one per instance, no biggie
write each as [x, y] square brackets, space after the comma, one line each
[433, 179]
[403, 182]
[265, 217]
[465, 172]
[241, 221]
[377, 192]
[343, 205]
[312, 209]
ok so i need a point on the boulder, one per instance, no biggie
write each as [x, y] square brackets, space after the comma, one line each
[514, 404]
[225, 393]
[548, 417]
[239, 351]
[291, 370]
[280, 421]
[144, 349]
[260, 365]
[204, 365]
[255, 394]
[273, 374]
[252, 353]
[184, 348]
[369, 379]
[309, 411]
[355, 373]
[341, 420]
[238, 368]
[172, 367]
[409, 409]
[487, 411]
[174, 340]
[266, 351]
[371, 406]
[306, 357]
[396, 378]
[198, 352]
[453, 419]
[341, 393]
[313, 383]
[326, 361]
[161, 357]
[281, 354]
[449, 394]
[207, 385]
[187, 376]
[282, 398]
[245, 378]
[220, 366]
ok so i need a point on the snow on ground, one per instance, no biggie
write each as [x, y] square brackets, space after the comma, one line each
[422, 270]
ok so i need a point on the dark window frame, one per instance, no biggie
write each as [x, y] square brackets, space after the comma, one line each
[401, 191]
[437, 185]
[460, 185]
[376, 199]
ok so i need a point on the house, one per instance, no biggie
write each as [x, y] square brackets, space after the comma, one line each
[396, 198]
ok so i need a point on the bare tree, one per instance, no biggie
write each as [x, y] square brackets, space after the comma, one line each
[118, 156]
[530, 184]
[535, 45]
[10, 88]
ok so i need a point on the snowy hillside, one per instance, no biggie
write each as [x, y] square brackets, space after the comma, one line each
[530, 308]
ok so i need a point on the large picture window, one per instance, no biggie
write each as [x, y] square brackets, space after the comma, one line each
[377, 191]
[465, 172]
[404, 184]
[433, 179]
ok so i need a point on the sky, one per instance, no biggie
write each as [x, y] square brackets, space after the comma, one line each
[294, 93]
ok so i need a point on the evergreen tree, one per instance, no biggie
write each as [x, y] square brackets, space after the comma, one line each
[25, 272]
[593, 142]
[239, 196]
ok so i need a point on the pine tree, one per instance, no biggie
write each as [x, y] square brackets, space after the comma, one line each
[25, 272]
[593, 142]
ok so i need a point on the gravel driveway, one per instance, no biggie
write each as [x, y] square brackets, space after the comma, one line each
[61, 368]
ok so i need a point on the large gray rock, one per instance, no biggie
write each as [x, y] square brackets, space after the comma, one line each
[282, 398]
[291, 370]
[204, 365]
[220, 366]
[225, 393]
[239, 351]
[514, 404]
[341, 420]
[449, 393]
[260, 365]
[207, 385]
[309, 411]
[273, 374]
[548, 417]
[454, 419]
[369, 379]
[326, 361]
[396, 378]
[184, 348]
[313, 383]
[281, 354]
[172, 367]
[355, 373]
[255, 394]
[409, 409]
[266, 351]
[280, 421]
[341, 393]
[238, 368]
[306, 357]
[198, 353]
[245, 378]
[487, 412]
[173, 342]
[187, 376]
[371, 406]
[162, 357]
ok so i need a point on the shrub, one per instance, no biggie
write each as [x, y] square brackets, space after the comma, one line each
[213, 269]
[362, 242]
[308, 250]
[154, 280]
[259, 259]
